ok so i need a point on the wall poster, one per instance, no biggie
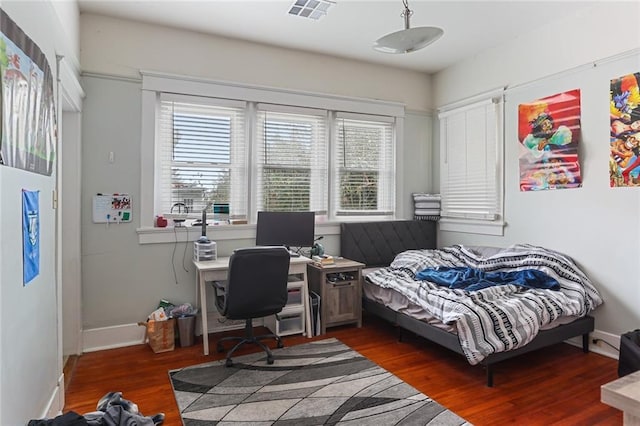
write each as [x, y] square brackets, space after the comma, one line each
[28, 133]
[624, 114]
[30, 235]
[549, 133]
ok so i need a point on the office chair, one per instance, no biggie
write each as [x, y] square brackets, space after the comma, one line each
[256, 287]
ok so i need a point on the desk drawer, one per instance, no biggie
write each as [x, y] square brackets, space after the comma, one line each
[289, 324]
[294, 296]
[289, 321]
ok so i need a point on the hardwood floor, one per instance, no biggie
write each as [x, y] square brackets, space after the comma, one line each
[558, 385]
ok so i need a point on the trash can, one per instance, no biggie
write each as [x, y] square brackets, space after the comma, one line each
[629, 359]
[187, 330]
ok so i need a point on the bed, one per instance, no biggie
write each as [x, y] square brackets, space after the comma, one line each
[395, 252]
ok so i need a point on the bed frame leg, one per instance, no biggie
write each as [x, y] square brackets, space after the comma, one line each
[489, 376]
[585, 343]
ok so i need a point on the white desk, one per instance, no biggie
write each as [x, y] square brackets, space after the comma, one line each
[216, 270]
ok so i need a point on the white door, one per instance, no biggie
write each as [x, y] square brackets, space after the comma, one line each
[31, 367]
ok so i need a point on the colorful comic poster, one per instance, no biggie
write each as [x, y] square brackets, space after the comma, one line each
[30, 235]
[549, 133]
[624, 114]
[28, 132]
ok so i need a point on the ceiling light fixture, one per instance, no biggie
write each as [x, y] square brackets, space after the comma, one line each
[409, 39]
[314, 9]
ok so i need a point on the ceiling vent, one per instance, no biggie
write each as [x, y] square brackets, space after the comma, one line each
[313, 9]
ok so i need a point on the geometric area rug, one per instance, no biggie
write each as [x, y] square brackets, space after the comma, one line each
[317, 383]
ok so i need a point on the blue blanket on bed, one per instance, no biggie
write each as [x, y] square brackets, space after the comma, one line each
[473, 279]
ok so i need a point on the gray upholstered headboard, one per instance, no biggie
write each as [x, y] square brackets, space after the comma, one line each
[377, 243]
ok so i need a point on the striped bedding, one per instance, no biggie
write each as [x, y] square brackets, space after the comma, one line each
[499, 318]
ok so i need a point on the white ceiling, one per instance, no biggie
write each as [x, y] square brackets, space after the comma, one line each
[351, 26]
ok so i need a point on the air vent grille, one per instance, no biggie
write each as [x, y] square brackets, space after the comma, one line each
[313, 9]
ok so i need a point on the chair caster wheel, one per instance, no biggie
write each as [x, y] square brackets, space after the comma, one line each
[269, 360]
[280, 345]
[219, 348]
[229, 363]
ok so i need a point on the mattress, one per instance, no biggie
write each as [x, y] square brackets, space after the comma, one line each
[401, 304]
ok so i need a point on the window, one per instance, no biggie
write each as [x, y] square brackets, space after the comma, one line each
[202, 157]
[471, 167]
[292, 159]
[364, 166]
[260, 148]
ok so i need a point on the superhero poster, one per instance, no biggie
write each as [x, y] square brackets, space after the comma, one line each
[624, 114]
[549, 133]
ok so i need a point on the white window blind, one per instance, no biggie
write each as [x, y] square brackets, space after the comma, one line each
[202, 154]
[471, 179]
[291, 152]
[364, 174]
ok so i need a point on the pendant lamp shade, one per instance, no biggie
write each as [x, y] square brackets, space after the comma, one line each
[409, 39]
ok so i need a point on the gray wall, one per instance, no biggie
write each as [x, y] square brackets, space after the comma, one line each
[597, 225]
[122, 280]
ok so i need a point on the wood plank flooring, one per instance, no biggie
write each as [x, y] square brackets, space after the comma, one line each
[558, 385]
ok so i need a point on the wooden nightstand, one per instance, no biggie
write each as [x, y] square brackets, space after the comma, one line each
[340, 289]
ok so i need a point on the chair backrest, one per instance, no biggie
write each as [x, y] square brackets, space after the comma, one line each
[257, 282]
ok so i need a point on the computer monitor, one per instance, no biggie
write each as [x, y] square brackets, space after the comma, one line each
[289, 229]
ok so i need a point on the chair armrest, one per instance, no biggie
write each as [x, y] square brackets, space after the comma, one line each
[220, 287]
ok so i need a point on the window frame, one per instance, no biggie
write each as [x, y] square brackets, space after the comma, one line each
[155, 83]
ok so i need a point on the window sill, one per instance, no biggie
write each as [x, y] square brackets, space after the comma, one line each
[170, 234]
[151, 235]
[472, 226]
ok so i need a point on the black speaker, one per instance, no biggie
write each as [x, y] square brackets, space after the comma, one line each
[629, 359]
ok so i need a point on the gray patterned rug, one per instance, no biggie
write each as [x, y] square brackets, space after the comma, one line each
[317, 383]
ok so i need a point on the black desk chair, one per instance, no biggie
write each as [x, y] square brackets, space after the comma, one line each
[256, 287]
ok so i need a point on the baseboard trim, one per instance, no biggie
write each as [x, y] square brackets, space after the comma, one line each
[119, 336]
[600, 348]
[56, 401]
[98, 339]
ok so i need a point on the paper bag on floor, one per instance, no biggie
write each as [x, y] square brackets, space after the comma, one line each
[160, 334]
